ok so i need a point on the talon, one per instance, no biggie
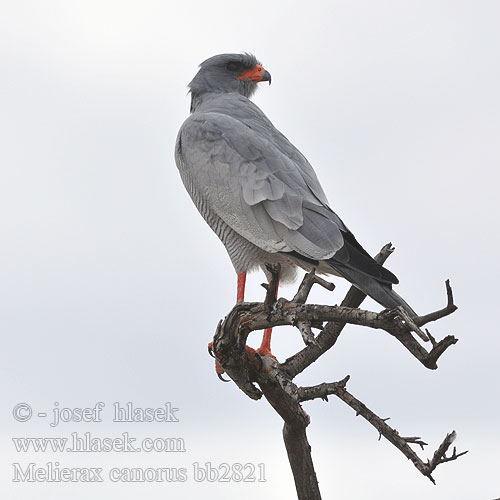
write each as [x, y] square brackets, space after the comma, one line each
[210, 350]
[259, 358]
[264, 353]
[222, 378]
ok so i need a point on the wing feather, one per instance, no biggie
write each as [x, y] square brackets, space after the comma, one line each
[258, 190]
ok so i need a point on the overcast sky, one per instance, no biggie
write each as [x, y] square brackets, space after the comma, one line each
[112, 284]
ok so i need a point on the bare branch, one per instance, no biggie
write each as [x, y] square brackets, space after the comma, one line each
[321, 390]
[440, 455]
[324, 340]
[430, 360]
[306, 332]
[402, 443]
[411, 323]
[299, 456]
[246, 368]
[256, 316]
[281, 393]
[307, 283]
[446, 311]
[272, 288]
[231, 355]
[327, 338]
[415, 440]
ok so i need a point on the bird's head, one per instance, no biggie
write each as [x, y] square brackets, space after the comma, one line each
[229, 73]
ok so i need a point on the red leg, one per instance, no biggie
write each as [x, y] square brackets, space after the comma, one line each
[240, 287]
[265, 346]
[240, 297]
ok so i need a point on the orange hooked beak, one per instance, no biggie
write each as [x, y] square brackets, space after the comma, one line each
[256, 74]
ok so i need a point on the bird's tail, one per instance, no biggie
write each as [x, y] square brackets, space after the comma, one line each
[379, 291]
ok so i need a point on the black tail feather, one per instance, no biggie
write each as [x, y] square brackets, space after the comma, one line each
[379, 291]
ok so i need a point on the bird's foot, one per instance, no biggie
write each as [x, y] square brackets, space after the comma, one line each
[261, 358]
[264, 352]
[253, 354]
[218, 368]
[265, 347]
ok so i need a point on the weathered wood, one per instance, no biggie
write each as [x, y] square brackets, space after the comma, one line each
[275, 380]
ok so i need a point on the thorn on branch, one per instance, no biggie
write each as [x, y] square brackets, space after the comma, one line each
[276, 383]
[415, 440]
[431, 338]
[380, 431]
[400, 327]
[391, 434]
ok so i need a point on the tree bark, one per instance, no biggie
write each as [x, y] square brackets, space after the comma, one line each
[299, 456]
[275, 380]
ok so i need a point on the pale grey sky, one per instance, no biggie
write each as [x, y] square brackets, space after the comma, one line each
[104, 257]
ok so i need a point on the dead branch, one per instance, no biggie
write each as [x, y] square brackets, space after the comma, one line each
[433, 316]
[307, 283]
[275, 380]
[401, 443]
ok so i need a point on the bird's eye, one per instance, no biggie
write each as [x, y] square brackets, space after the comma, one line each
[233, 66]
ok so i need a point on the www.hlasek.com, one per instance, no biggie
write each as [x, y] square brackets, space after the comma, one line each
[86, 442]
[52, 472]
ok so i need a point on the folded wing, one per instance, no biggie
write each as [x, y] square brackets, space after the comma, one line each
[265, 190]
[255, 188]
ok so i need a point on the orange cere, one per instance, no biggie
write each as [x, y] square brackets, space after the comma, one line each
[255, 74]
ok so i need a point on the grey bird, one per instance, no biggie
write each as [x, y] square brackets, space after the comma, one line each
[256, 190]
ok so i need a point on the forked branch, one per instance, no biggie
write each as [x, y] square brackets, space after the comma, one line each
[275, 380]
[402, 443]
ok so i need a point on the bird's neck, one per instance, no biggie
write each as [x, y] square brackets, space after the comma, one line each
[205, 100]
[245, 89]
[198, 99]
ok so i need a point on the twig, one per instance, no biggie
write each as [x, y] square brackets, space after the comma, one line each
[433, 316]
[402, 443]
[272, 288]
[275, 380]
[305, 287]
[327, 339]
[440, 455]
